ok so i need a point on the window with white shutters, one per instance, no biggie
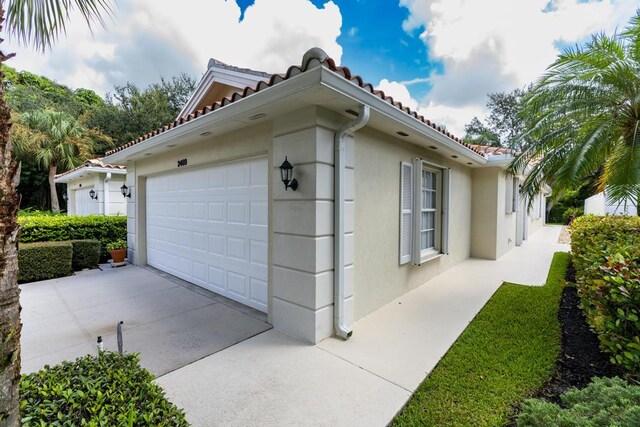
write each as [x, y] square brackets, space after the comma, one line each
[424, 211]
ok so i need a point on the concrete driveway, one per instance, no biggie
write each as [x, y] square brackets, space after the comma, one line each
[169, 322]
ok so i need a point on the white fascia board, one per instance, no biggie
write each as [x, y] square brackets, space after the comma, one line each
[229, 112]
[353, 91]
[220, 75]
[502, 160]
[87, 171]
[236, 79]
[205, 83]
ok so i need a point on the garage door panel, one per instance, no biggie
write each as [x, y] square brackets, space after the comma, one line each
[209, 227]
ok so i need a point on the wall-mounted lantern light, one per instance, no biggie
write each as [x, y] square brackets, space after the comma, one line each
[93, 195]
[126, 192]
[286, 172]
[65, 196]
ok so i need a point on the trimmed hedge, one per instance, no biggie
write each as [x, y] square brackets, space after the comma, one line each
[104, 390]
[41, 228]
[44, 260]
[86, 253]
[606, 255]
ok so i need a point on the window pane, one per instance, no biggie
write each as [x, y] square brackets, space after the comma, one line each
[430, 239]
[430, 220]
[423, 240]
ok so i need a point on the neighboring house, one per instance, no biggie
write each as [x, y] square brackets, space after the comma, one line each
[600, 204]
[94, 188]
[405, 199]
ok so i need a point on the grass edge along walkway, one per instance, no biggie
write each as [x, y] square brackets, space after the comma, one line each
[506, 353]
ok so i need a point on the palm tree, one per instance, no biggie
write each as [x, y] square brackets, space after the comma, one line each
[54, 139]
[39, 23]
[583, 116]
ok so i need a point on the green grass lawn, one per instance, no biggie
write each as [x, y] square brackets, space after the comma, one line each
[506, 353]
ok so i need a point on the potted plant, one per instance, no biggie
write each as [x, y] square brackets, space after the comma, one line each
[118, 250]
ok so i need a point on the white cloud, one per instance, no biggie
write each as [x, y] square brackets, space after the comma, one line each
[399, 92]
[499, 45]
[152, 38]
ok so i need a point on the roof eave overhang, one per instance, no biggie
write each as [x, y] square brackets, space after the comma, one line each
[502, 160]
[361, 95]
[86, 171]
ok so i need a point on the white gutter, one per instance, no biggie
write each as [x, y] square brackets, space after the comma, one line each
[87, 170]
[342, 330]
[105, 196]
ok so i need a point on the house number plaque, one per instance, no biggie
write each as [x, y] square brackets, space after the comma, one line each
[182, 162]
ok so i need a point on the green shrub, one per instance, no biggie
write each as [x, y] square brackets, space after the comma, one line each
[604, 402]
[116, 245]
[86, 253]
[108, 390]
[606, 254]
[571, 213]
[38, 228]
[44, 260]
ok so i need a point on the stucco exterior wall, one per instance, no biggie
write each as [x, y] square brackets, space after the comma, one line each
[117, 205]
[506, 225]
[485, 211]
[379, 278]
[302, 233]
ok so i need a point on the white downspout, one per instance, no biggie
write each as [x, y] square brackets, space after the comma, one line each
[105, 197]
[341, 329]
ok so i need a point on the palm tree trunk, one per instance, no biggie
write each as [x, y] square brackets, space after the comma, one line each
[10, 326]
[55, 204]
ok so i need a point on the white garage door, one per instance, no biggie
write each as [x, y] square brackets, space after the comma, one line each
[84, 204]
[209, 226]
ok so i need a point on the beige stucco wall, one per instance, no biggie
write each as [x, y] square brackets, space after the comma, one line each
[379, 278]
[506, 224]
[484, 212]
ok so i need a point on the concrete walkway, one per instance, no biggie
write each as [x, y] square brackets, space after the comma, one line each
[272, 379]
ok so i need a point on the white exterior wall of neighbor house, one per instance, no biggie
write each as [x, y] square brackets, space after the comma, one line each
[379, 277]
[77, 185]
[598, 205]
[302, 232]
[95, 181]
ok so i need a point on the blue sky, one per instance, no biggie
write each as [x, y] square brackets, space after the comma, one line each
[439, 57]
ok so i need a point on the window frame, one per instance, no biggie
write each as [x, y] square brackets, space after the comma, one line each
[442, 188]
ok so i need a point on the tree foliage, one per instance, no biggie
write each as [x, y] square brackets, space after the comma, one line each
[504, 124]
[130, 112]
[584, 115]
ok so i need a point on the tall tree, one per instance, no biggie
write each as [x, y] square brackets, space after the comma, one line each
[39, 23]
[130, 111]
[504, 124]
[584, 115]
[55, 140]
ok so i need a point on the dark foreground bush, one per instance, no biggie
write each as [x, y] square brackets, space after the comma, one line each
[604, 402]
[109, 390]
[86, 253]
[43, 228]
[44, 260]
[606, 254]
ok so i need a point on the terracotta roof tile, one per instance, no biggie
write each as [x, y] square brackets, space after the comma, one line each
[92, 163]
[491, 151]
[312, 57]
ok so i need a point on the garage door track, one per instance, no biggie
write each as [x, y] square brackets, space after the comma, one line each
[169, 322]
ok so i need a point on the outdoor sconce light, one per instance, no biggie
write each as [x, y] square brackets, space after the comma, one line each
[126, 192]
[65, 197]
[93, 195]
[286, 171]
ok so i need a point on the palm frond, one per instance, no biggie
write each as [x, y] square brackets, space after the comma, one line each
[40, 22]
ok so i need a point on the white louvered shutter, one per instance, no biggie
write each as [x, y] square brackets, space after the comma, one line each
[406, 211]
[446, 214]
